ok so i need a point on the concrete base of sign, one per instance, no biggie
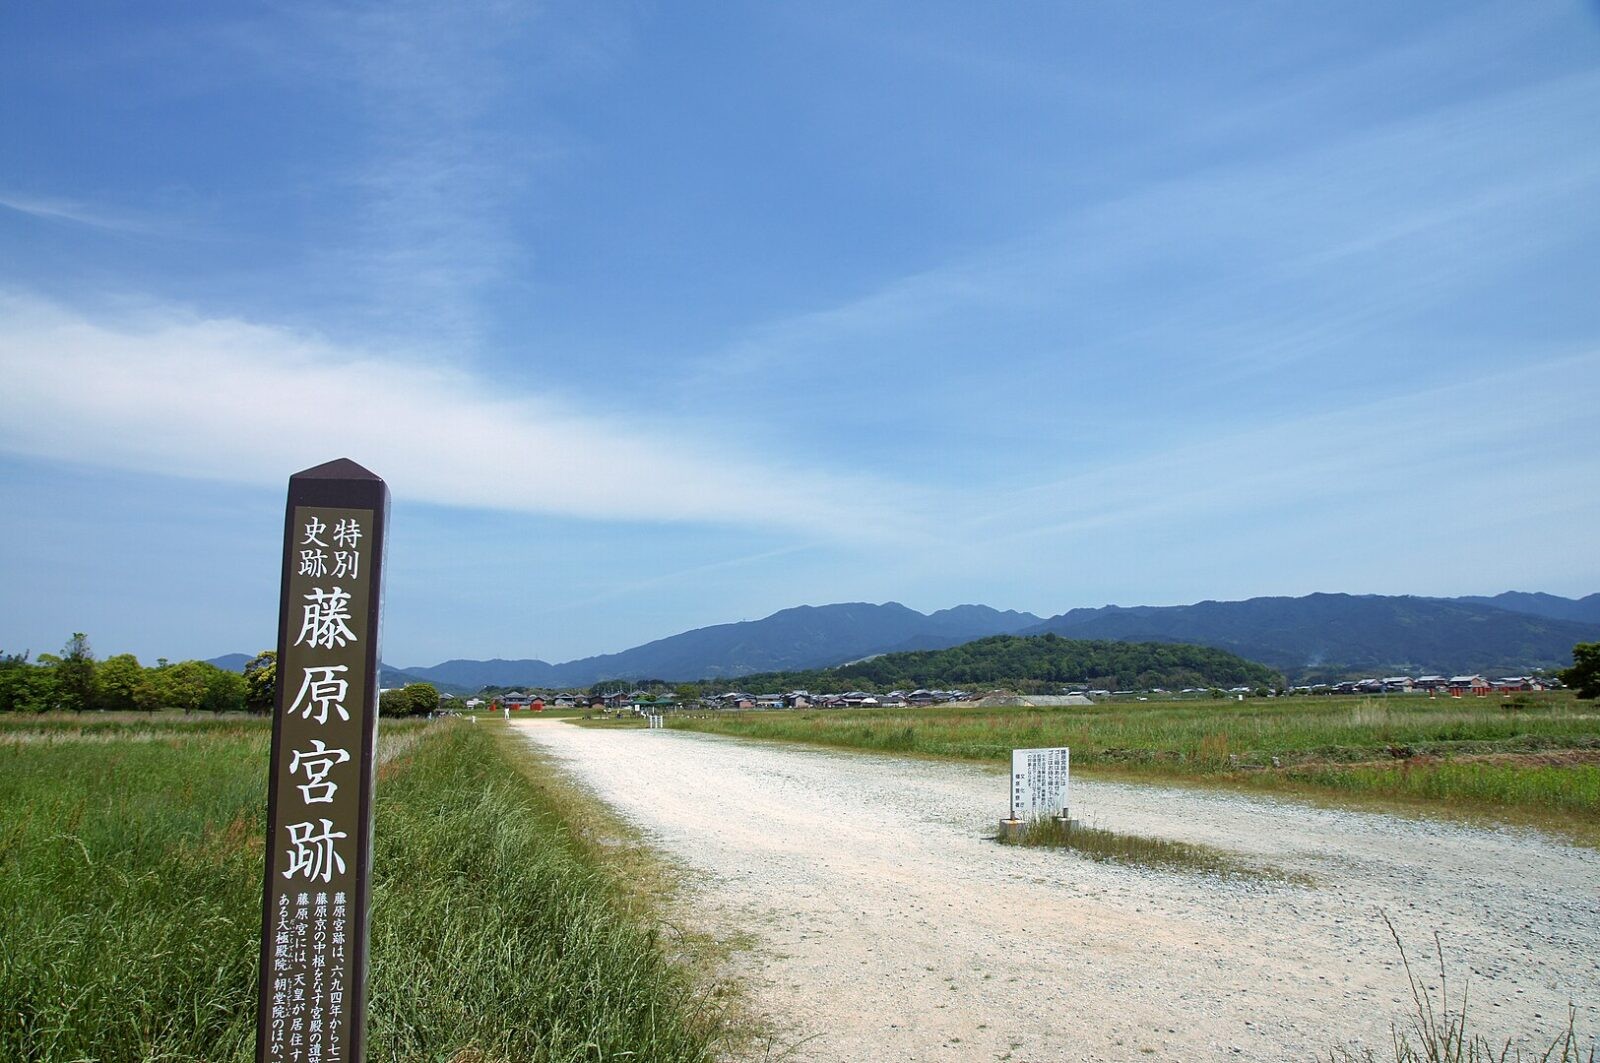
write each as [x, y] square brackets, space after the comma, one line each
[1010, 828]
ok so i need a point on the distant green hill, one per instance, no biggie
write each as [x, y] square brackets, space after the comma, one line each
[1033, 664]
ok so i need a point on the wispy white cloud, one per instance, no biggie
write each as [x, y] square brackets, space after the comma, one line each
[1400, 452]
[1266, 260]
[447, 141]
[224, 399]
[64, 210]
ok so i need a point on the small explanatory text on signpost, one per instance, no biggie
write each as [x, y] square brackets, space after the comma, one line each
[1040, 783]
[313, 961]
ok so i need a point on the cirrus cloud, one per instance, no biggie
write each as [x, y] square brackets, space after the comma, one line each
[169, 392]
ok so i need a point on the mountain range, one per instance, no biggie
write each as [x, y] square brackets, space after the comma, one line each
[1317, 636]
[387, 676]
[803, 637]
[1585, 610]
[1330, 636]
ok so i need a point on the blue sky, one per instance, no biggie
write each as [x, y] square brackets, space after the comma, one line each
[656, 316]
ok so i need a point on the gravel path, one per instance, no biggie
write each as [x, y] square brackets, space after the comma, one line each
[889, 928]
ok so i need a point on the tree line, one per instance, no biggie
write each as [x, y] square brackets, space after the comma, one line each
[74, 680]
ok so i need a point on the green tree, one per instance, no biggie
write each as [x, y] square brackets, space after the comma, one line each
[422, 697]
[116, 679]
[183, 685]
[261, 681]
[75, 674]
[25, 687]
[225, 690]
[413, 699]
[1584, 675]
[148, 695]
[689, 693]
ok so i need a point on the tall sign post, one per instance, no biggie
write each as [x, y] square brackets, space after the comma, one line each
[313, 1002]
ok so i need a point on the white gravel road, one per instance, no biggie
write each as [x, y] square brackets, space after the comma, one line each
[889, 928]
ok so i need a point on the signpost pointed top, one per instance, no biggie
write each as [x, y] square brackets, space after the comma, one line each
[337, 469]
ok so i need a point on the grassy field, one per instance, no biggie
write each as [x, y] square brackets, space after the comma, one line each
[130, 877]
[1534, 759]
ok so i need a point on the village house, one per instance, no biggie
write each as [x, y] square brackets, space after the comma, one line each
[1468, 685]
[1518, 683]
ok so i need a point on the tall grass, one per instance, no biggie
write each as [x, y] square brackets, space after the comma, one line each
[493, 930]
[1573, 788]
[1186, 736]
[1412, 748]
[130, 877]
[1444, 1034]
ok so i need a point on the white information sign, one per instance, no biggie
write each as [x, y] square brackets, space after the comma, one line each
[1040, 782]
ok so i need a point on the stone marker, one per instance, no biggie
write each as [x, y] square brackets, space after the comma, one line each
[312, 1005]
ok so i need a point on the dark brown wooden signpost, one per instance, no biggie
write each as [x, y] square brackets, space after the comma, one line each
[319, 806]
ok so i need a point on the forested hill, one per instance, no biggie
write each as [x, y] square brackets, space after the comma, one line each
[1033, 664]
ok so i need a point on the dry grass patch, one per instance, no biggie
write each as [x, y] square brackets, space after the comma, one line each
[1139, 850]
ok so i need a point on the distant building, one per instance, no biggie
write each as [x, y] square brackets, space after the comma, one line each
[1469, 686]
[1518, 682]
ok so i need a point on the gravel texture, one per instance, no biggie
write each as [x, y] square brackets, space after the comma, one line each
[888, 926]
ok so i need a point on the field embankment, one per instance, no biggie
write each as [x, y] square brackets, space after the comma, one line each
[130, 877]
[1534, 759]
